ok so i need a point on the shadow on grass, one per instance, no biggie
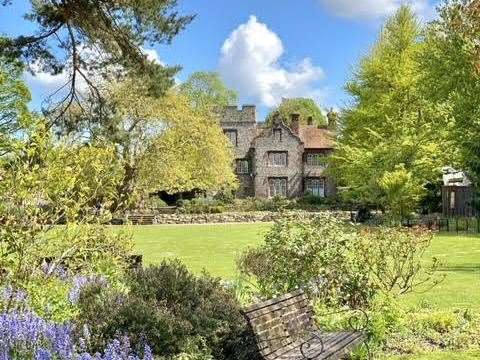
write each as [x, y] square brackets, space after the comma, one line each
[461, 268]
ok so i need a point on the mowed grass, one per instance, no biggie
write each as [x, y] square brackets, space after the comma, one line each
[210, 247]
[215, 248]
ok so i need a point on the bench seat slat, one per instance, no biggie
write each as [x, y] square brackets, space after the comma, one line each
[284, 324]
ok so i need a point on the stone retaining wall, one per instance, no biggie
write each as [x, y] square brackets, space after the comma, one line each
[231, 217]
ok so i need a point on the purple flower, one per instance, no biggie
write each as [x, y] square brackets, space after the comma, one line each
[80, 282]
[25, 335]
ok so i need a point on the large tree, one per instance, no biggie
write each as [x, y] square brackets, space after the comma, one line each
[206, 89]
[393, 141]
[451, 64]
[162, 143]
[87, 37]
[303, 106]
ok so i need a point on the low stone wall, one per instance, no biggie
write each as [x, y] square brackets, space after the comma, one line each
[231, 217]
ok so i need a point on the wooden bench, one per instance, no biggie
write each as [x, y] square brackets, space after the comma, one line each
[285, 330]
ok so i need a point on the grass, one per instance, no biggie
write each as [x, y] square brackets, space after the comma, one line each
[210, 247]
[442, 355]
[215, 247]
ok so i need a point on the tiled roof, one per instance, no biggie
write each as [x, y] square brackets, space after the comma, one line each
[315, 138]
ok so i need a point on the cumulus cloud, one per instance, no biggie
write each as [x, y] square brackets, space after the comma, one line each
[250, 63]
[368, 9]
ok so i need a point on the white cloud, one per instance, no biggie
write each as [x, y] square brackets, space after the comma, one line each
[250, 63]
[368, 9]
[152, 55]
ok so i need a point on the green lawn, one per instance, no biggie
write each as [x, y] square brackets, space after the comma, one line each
[215, 247]
[210, 247]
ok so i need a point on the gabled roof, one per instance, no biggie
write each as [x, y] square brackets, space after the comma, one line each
[315, 138]
[263, 131]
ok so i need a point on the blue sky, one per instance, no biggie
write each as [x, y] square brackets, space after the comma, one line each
[264, 49]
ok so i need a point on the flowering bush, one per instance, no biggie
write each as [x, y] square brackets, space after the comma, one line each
[26, 336]
[340, 263]
[173, 311]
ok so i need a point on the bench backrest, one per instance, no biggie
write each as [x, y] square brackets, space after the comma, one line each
[278, 324]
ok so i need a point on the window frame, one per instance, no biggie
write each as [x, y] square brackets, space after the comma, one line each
[272, 157]
[271, 185]
[227, 133]
[316, 159]
[280, 134]
[322, 190]
[242, 170]
[453, 200]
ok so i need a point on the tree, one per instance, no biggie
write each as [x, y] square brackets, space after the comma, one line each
[14, 97]
[163, 144]
[394, 140]
[45, 183]
[451, 64]
[89, 36]
[206, 89]
[303, 106]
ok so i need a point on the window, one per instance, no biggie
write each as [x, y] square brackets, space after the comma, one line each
[242, 166]
[277, 158]
[277, 134]
[232, 136]
[277, 186]
[452, 200]
[318, 159]
[315, 186]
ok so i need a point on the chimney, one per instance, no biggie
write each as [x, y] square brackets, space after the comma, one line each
[332, 117]
[295, 123]
[310, 120]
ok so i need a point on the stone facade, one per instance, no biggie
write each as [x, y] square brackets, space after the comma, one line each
[277, 159]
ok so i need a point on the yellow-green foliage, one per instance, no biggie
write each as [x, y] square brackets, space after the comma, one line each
[394, 140]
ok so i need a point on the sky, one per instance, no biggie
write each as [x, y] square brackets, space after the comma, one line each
[266, 50]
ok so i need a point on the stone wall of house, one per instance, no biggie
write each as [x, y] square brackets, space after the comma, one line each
[290, 143]
[244, 122]
[232, 217]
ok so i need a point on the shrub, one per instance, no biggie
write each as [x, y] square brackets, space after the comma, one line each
[202, 206]
[340, 263]
[169, 308]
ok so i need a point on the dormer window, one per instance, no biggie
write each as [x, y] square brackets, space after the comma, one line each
[277, 134]
[231, 134]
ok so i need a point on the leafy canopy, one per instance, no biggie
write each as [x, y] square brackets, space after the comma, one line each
[303, 106]
[88, 37]
[164, 144]
[394, 139]
[207, 90]
[451, 65]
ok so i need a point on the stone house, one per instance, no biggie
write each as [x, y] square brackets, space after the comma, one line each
[278, 160]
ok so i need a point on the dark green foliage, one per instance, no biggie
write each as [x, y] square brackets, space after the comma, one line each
[88, 36]
[169, 308]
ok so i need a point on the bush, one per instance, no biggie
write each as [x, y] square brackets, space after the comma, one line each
[337, 262]
[202, 206]
[170, 309]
